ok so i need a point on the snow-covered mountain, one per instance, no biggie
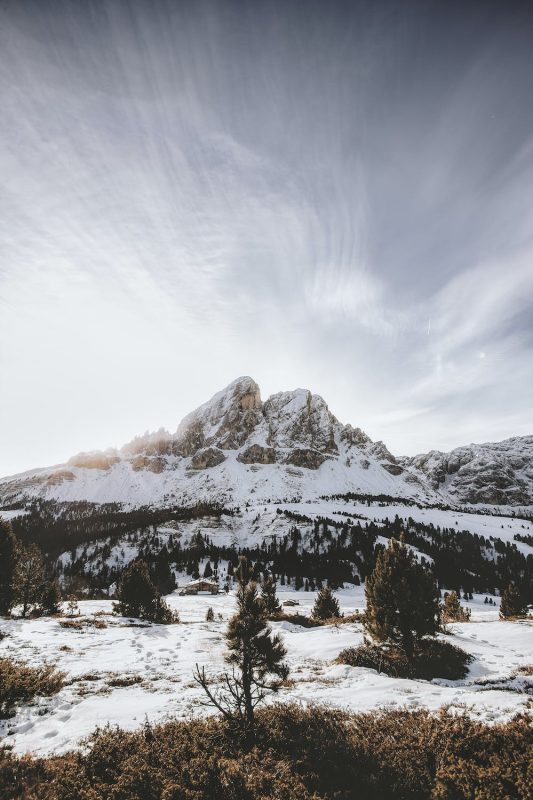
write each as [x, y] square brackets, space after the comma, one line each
[236, 448]
[233, 448]
[497, 472]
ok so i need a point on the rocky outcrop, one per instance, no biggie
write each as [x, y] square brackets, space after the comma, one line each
[205, 459]
[255, 454]
[305, 457]
[59, 477]
[94, 460]
[153, 464]
[393, 469]
[226, 421]
[300, 418]
[354, 436]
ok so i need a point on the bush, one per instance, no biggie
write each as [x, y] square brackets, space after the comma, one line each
[297, 619]
[432, 658]
[300, 754]
[20, 683]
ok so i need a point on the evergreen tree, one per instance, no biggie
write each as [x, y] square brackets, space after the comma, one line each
[210, 615]
[326, 605]
[8, 558]
[164, 578]
[51, 597]
[29, 577]
[208, 570]
[452, 610]
[269, 596]
[512, 603]
[402, 598]
[254, 654]
[136, 594]
[138, 597]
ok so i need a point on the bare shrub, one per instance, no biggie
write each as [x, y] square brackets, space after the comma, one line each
[20, 683]
[299, 754]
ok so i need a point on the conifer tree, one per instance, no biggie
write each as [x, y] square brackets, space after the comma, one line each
[51, 597]
[452, 610]
[136, 594]
[326, 605]
[8, 558]
[138, 597]
[402, 598]
[29, 577]
[210, 615]
[269, 596]
[512, 603]
[163, 576]
[254, 654]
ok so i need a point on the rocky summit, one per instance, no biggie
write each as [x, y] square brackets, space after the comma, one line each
[237, 446]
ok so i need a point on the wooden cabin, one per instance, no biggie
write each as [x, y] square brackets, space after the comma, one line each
[201, 585]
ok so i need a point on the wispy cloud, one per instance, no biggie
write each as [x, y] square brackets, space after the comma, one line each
[195, 191]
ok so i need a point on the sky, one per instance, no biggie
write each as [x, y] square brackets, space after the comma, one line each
[329, 195]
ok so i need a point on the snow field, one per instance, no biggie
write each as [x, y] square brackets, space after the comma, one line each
[162, 660]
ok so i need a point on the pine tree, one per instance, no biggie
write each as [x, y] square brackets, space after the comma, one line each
[136, 594]
[51, 598]
[210, 615]
[512, 603]
[254, 654]
[163, 576]
[269, 596]
[29, 577]
[208, 570]
[452, 610]
[402, 598]
[326, 605]
[138, 597]
[8, 558]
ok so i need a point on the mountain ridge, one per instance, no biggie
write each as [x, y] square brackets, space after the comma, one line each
[236, 445]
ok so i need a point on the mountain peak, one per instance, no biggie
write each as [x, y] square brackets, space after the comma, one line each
[225, 420]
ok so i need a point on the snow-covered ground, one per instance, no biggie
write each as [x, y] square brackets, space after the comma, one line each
[162, 659]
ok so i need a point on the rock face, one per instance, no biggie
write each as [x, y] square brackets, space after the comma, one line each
[255, 454]
[300, 418]
[496, 473]
[94, 460]
[226, 421]
[305, 457]
[205, 459]
[57, 478]
[152, 464]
